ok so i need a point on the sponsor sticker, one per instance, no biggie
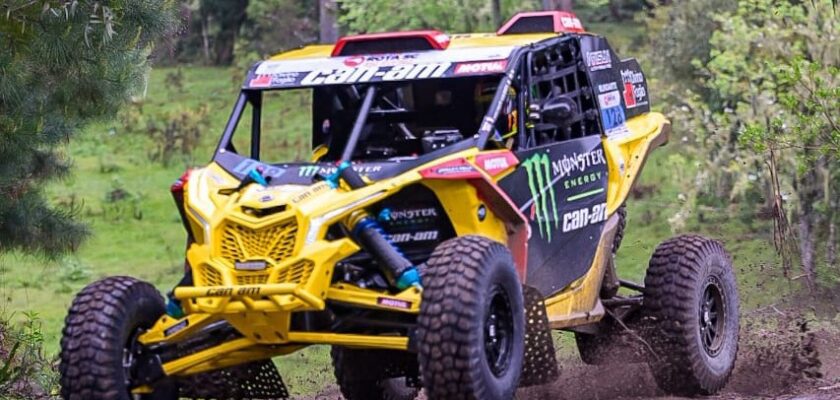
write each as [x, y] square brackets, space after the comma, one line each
[454, 169]
[393, 303]
[612, 118]
[577, 162]
[286, 78]
[380, 59]
[598, 60]
[544, 206]
[481, 67]
[388, 214]
[609, 99]
[606, 87]
[260, 81]
[635, 94]
[571, 22]
[247, 165]
[582, 180]
[331, 76]
[312, 170]
[584, 217]
[419, 236]
[496, 163]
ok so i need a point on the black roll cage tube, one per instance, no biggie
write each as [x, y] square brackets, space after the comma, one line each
[485, 129]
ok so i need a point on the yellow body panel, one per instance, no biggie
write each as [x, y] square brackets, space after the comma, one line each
[259, 303]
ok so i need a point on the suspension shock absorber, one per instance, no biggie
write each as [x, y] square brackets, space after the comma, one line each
[399, 271]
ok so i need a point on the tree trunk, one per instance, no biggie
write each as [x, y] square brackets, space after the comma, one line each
[205, 37]
[615, 9]
[497, 13]
[808, 188]
[806, 247]
[565, 5]
[831, 247]
[327, 10]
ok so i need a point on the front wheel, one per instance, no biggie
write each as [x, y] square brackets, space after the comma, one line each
[691, 302]
[99, 340]
[471, 325]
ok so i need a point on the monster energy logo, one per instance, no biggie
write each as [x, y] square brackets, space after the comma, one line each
[538, 168]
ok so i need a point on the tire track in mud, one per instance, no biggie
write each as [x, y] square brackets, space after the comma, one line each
[782, 356]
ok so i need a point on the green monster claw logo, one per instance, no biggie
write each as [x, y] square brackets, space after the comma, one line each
[542, 193]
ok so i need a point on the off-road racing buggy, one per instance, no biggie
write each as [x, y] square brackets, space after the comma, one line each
[464, 197]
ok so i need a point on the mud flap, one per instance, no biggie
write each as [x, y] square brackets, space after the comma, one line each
[256, 380]
[539, 365]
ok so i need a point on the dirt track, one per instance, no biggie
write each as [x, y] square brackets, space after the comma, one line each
[781, 357]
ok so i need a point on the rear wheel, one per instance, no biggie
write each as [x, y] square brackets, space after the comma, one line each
[471, 325]
[99, 340]
[691, 302]
[371, 375]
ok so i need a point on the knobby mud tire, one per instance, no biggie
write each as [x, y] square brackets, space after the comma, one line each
[103, 318]
[462, 349]
[685, 272]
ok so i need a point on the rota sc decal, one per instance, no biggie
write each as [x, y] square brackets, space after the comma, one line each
[544, 202]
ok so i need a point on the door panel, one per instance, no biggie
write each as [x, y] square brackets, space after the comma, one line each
[561, 189]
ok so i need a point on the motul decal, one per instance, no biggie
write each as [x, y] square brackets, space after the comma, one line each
[481, 67]
[393, 303]
[496, 163]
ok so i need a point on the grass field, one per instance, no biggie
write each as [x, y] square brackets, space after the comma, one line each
[123, 196]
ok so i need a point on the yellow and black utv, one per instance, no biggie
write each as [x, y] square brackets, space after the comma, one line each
[464, 197]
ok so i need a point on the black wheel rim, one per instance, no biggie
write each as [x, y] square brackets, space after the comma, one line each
[712, 317]
[498, 331]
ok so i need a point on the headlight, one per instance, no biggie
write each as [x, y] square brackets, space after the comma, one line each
[316, 223]
[204, 224]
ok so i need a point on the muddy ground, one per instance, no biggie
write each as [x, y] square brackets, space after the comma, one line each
[783, 355]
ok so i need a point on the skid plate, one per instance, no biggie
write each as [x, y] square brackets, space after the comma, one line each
[256, 380]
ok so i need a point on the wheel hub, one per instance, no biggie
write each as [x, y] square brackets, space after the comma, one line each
[498, 332]
[712, 317]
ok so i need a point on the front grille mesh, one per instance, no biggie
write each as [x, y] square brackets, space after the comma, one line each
[298, 272]
[252, 279]
[277, 242]
[211, 276]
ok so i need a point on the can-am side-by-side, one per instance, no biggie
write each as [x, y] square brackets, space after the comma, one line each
[464, 197]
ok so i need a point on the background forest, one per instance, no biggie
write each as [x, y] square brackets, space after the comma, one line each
[104, 103]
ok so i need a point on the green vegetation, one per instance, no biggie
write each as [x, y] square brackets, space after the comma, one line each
[705, 72]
